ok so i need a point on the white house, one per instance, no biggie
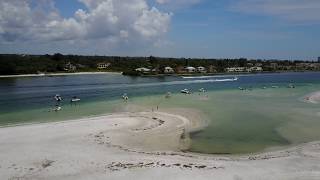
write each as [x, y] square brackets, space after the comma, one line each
[236, 69]
[190, 69]
[103, 65]
[201, 69]
[142, 69]
[168, 70]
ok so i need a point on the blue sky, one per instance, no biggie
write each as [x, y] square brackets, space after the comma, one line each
[267, 29]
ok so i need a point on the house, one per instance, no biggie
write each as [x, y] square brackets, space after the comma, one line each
[190, 69]
[168, 70]
[143, 70]
[70, 67]
[103, 65]
[255, 69]
[201, 69]
[236, 69]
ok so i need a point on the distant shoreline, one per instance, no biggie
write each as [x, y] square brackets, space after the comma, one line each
[149, 75]
[56, 74]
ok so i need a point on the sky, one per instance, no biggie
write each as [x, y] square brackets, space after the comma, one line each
[259, 29]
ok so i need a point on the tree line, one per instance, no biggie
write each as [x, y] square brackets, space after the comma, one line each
[11, 64]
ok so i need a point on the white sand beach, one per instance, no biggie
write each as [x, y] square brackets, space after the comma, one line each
[142, 146]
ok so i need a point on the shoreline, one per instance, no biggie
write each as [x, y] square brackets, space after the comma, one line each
[158, 75]
[123, 145]
[56, 74]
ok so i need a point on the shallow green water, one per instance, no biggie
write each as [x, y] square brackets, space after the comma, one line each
[249, 121]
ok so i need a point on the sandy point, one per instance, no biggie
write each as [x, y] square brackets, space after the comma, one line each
[144, 145]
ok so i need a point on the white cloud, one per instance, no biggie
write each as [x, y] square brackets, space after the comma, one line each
[302, 11]
[109, 20]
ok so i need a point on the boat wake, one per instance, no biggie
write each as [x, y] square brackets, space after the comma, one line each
[138, 85]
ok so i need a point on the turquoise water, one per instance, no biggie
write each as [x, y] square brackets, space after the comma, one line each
[239, 121]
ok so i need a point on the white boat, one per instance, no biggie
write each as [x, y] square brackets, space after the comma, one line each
[202, 90]
[185, 91]
[125, 97]
[57, 97]
[291, 86]
[57, 108]
[75, 99]
[168, 95]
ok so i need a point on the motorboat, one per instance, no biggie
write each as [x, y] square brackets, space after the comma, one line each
[291, 86]
[75, 99]
[185, 91]
[202, 90]
[57, 108]
[125, 97]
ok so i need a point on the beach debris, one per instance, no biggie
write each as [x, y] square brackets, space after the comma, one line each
[117, 166]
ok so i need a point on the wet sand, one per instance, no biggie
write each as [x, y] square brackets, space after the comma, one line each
[145, 145]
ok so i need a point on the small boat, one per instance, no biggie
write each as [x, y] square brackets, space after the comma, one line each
[75, 99]
[125, 97]
[168, 95]
[57, 108]
[291, 86]
[185, 91]
[235, 78]
[241, 88]
[202, 90]
[275, 86]
[58, 98]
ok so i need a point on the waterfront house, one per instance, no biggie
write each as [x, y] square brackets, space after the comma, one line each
[103, 65]
[201, 69]
[236, 69]
[168, 70]
[190, 69]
